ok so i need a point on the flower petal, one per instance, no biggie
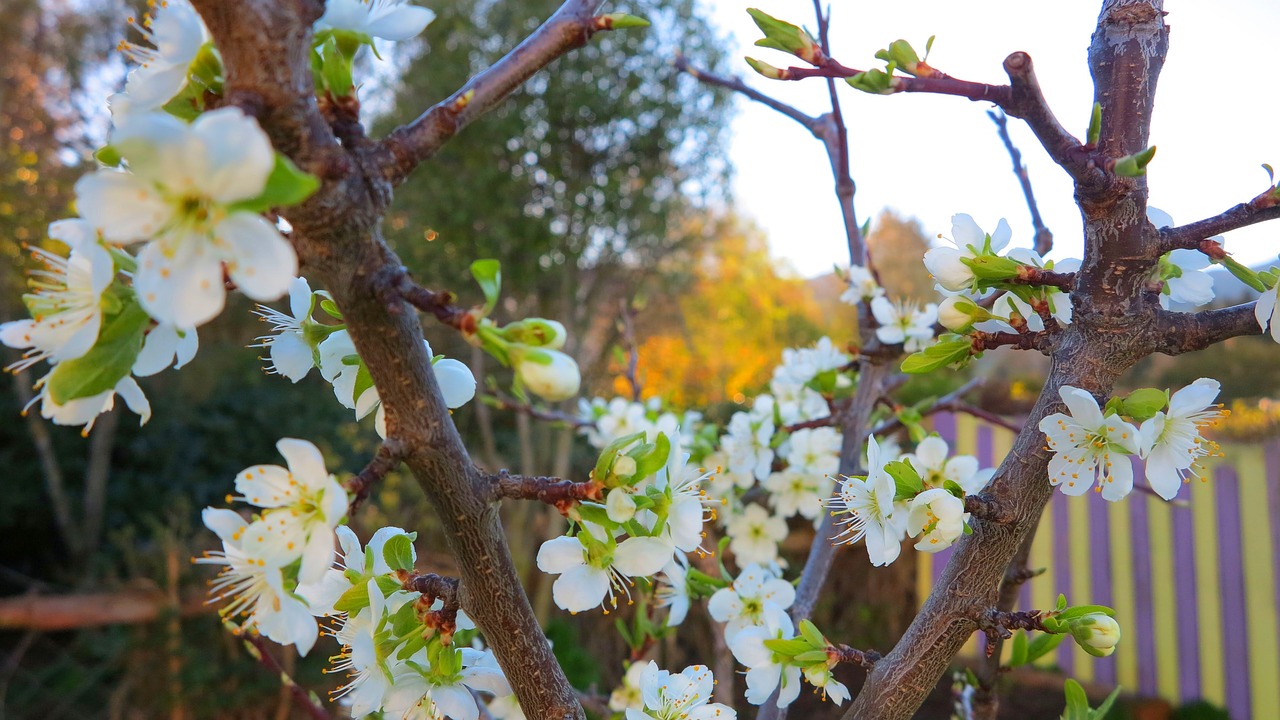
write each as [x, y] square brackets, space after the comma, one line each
[259, 260]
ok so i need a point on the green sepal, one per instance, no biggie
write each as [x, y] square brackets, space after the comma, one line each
[1243, 273]
[405, 620]
[610, 451]
[788, 648]
[992, 267]
[488, 273]
[764, 68]
[286, 185]
[954, 488]
[782, 35]
[901, 54]
[108, 155]
[1080, 611]
[109, 361]
[415, 643]
[812, 657]
[650, 461]
[355, 599]
[1018, 654]
[1102, 710]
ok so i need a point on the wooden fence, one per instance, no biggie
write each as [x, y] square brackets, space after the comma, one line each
[1195, 583]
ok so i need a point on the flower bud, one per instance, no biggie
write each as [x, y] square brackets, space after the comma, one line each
[620, 506]
[1096, 633]
[536, 332]
[549, 374]
[624, 466]
[957, 313]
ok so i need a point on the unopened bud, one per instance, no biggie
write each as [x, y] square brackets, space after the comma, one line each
[958, 313]
[1096, 633]
[620, 506]
[767, 70]
[549, 374]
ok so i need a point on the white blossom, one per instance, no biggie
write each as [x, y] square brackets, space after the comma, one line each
[868, 503]
[387, 19]
[683, 696]
[747, 445]
[797, 492]
[946, 263]
[764, 672]
[587, 578]
[66, 299]
[862, 286]
[938, 517]
[931, 460]
[673, 592]
[1171, 441]
[85, 410]
[1267, 311]
[419, 694]
[178, 197]
[1088, 446]
[174, 37]
[290, 353]
[754, 536]
[904, 324]
[745, 602]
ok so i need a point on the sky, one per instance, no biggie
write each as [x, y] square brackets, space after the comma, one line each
[1216, 119]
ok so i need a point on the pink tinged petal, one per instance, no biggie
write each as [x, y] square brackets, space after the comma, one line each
[457, 384]
[224, 523]
[259, 260]
[158, 348]
[127, 208]
[1120, 482]
[642, 556]
[240, 157]
[305, 462]
[185, 289]
[580, 588]
[455, 702]
[134, 399]
[1084, 408]
[291, 356]
[559, 555]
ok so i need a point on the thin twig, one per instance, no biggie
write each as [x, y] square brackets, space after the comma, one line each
[550, 490]
[1043, 237]
[737, 85]
[387, 458]
[505, 402]
[1260, 209]
[261, 651]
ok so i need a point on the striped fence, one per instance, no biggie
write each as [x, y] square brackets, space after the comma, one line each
[1195, 584]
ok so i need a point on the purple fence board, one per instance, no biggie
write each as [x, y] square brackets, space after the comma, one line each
[1184, 574]
[1271, 458]
[1062, 570]
[1145, 621]
[1235, 634]
[1100, 576]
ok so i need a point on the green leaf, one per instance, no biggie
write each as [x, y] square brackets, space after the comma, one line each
[1095, 125]
[355, 599]
[398, 552]
[812, 656]
[108, 155]
[789, 648]
[1077, 701]
[405, 620]
[1143, 403]
[623, 21]
[654, 458]
[906, 479]
[1018, 656]
[938, 355]
[1080, 611]
[1062, 603]
[286, 185]
[1043, 645]
[1101, 711]
[1135, 165]
[954, 488]
[108, 362]
[610, 452]
[488, 273]
[782, 35]
[765, 69]
[876, 82]
[812, 634]
[1243, 273]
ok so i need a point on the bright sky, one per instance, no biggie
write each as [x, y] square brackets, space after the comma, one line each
[930, 157]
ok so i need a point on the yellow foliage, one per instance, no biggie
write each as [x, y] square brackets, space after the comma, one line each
[729, 325]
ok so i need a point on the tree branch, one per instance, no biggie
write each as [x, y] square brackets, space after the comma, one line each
[505, 402]
[569, 28]
[388, 457]
[550, 490]
[260, 650]
[1179, 333]
[866, 659]
[736, 84]
[1029, 275]
[1020, 341]
[1043, 237]
[1026, 102]
[1260, 209]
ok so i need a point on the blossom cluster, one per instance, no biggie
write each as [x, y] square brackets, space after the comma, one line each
[1092, 444]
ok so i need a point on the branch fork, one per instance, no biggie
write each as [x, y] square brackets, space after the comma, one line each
[558, 492]
[434, 587]
[387, 458]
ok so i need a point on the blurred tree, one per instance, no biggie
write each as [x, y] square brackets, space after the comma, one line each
[896, 244]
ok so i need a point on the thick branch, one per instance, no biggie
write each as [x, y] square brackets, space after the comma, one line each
[1026, 101]
[1043, 237]
[985, 507]
[1020, 341]
[407, 146]
[1260, 209]
[737, 85]
[1028, 275]
[1179, 333]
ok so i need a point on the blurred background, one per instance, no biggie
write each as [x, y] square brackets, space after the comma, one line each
[604, 189]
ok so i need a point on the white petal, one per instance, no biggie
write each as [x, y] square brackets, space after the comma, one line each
[300, 298]
[124, 206]
[457, 384]
[291, 356]
[580, 588]
[455, 702]
[186, 289]
[305, 462]
[134, 398]
[558, 555]
[317, 556]
[225, 523]
[642, 556]
[405, 22]
[1000, 237]
[239, 158]
[259, 260]
[1083, 406]
[158, 348]
[965, 231]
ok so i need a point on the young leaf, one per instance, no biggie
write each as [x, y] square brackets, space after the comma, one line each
[1095, 125]
[1018, 656]
[812, 634]
[108, 362]
[286, 185]
[488, 273]
[1043, 645]
[1077, 701]
[398, 552]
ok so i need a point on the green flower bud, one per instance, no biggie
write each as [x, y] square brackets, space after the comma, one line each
[1096, 633]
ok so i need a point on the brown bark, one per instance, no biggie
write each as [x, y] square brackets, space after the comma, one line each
[50, 613]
